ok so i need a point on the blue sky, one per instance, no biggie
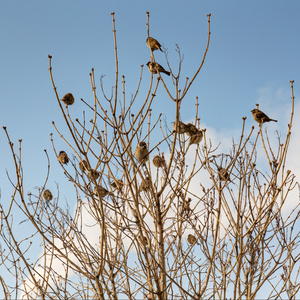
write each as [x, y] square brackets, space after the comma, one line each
[254, 52]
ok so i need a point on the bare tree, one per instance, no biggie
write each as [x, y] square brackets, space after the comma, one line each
[161, 213]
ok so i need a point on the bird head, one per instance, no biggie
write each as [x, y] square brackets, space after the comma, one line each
[143, 145]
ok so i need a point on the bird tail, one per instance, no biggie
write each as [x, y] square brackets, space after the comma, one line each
[273, 120]
[166, 72]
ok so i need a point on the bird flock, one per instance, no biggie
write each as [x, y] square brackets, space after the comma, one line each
[141, 152]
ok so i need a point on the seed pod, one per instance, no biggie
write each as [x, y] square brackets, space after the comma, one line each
[158, 161]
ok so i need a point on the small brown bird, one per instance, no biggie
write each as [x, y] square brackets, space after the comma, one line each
[223, 174]
[47, 195]
[191, 239]
[155, 67]
[101, 191]
[93, 174]
[260, 117]
[141, 152]
[83, 165]
[117, 184]
[182, 128]
[145, 184]
[68, 99]
[144, 240]
[158, 161]
[63, 157]
[196, 138]
[191, 129]
[153, 44]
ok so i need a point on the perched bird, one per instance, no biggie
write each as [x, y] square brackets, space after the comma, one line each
[196, 138]
[154, 67]
[191, 129]
[191, 239]
[93, 174]
[186, 208]
[158, 161]
[223, 174]
[101, 191]
[144, 240]
[83, 165]
[141, 152]
[153, 44]
[68, 99]
[63, 157]
[47, 195]
[260, 117]
[182, 128]
[145, 184]
[117, 184]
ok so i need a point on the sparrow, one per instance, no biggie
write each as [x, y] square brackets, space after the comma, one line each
[101, 191]
[47, 195]
[158, 161]
[154, 67]
[145, 184]
[68, 99]
[144, 240]
[182, 128]
[223, 174]
[83, 165]
[141, 152]
[63, 157]
[117, 184]
[191, 129]
[260, 117]
[196, 138]
[153, 44]
[191, 239]
[93, 174]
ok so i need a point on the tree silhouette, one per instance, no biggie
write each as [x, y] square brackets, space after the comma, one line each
[161, 212]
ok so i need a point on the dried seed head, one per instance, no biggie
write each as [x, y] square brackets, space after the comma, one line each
[158, 161]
